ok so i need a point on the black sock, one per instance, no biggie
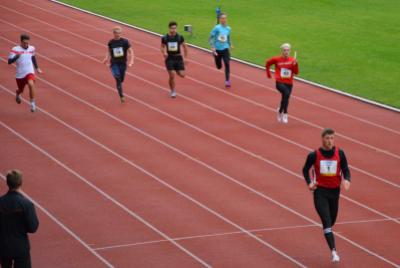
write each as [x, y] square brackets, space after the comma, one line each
[331, 240]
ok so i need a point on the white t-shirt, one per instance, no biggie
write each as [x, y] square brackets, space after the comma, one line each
[24, 62]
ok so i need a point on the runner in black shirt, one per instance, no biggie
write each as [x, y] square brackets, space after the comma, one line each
[171, 49]
[117, 55]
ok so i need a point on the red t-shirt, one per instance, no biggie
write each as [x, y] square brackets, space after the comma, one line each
[285, 68]
[327, 170]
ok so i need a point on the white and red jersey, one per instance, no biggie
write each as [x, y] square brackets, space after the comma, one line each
[327, 170]
[24, 62]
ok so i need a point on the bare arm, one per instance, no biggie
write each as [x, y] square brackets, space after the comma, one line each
[107, 58]
[163, 50]
[185, 50]
[131, 56]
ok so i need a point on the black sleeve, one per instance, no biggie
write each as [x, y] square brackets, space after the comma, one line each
[163, 40]
[344, 165]
[31, 218]
[34, 61]
[127, 44]
[307, 166]
[182, 39]
[12, 60]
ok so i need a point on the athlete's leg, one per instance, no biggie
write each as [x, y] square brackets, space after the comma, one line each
[227, 58]
[32, 89]
[218, 59]
[321, 204]
[116, 72]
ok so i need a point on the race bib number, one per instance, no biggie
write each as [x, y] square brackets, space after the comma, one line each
[118, 52]
[328, 167]
[222, 38]
[173, 46]
[286, 73]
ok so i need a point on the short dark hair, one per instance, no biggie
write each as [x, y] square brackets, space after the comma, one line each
[172, 23]
[14, 179]
[327, 131]
[24, 37]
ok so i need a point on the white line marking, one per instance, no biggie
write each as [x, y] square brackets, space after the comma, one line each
[65, 228]
[207, 107]
[107, 196]
[375, 149]
[255, 231]
[151, 175]
[259, 67]
[241, 184]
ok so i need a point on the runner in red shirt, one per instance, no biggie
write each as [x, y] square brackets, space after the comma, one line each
[330, 165]
[285, 68]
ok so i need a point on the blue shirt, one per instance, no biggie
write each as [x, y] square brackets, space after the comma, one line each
[221, 37]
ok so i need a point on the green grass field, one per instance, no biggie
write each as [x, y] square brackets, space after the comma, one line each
[352, 45]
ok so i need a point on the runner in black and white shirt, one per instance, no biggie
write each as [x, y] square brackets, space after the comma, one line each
[117, 55]
[171, 49]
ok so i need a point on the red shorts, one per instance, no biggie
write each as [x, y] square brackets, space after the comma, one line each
[21, 82]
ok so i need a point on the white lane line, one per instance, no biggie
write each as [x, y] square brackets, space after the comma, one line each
[219, 111]
[104, 194]
[255, 231]
[374, 148]
[250, 189]
[234, 75]
[218, 215]
[65, 228]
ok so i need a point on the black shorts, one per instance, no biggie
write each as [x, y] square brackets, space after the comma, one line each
[174, 63]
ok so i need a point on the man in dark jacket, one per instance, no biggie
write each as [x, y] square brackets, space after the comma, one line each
[17, 218]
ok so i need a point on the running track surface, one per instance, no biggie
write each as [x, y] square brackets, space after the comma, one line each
[207, 179]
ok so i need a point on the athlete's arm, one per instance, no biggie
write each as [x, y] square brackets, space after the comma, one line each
[344, 166]
[185, 50]
[107, 58]
[131, 56]
[268, 65]
[13, 57]
[306, 170]
[295, 67]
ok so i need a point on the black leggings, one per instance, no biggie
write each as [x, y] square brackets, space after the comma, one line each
[226, 56]
[285, 90]
[326, 202]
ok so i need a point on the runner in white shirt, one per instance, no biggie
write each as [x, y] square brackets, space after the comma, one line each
[24, 57]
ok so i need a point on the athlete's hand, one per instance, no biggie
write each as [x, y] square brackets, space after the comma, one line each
[346, 185]
[232, 47]
[39, 70]
[214, 52]
[312, 186]
[130, 64]
[165, 55]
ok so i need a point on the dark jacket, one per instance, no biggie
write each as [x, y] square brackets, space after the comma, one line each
[17, 218]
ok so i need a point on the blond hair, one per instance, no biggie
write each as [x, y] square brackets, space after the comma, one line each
[117, 29]
[286, 45]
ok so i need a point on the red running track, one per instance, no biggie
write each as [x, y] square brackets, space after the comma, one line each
[207, 179]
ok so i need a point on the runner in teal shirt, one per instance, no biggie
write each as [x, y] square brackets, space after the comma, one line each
[220, 41]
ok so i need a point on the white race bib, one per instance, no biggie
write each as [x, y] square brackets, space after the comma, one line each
[286, 73]
[328, 167]
[222, 38]
[172, 46]
[118, 52]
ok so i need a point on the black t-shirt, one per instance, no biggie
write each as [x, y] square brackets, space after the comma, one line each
[173, 43]
[118, 49]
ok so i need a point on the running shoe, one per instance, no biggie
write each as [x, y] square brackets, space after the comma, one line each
[335, 256]
[279, 116]
[228, 83]
[122, 99]
[285, 118]
[173, 94]
[33, 107]
[18, 99]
